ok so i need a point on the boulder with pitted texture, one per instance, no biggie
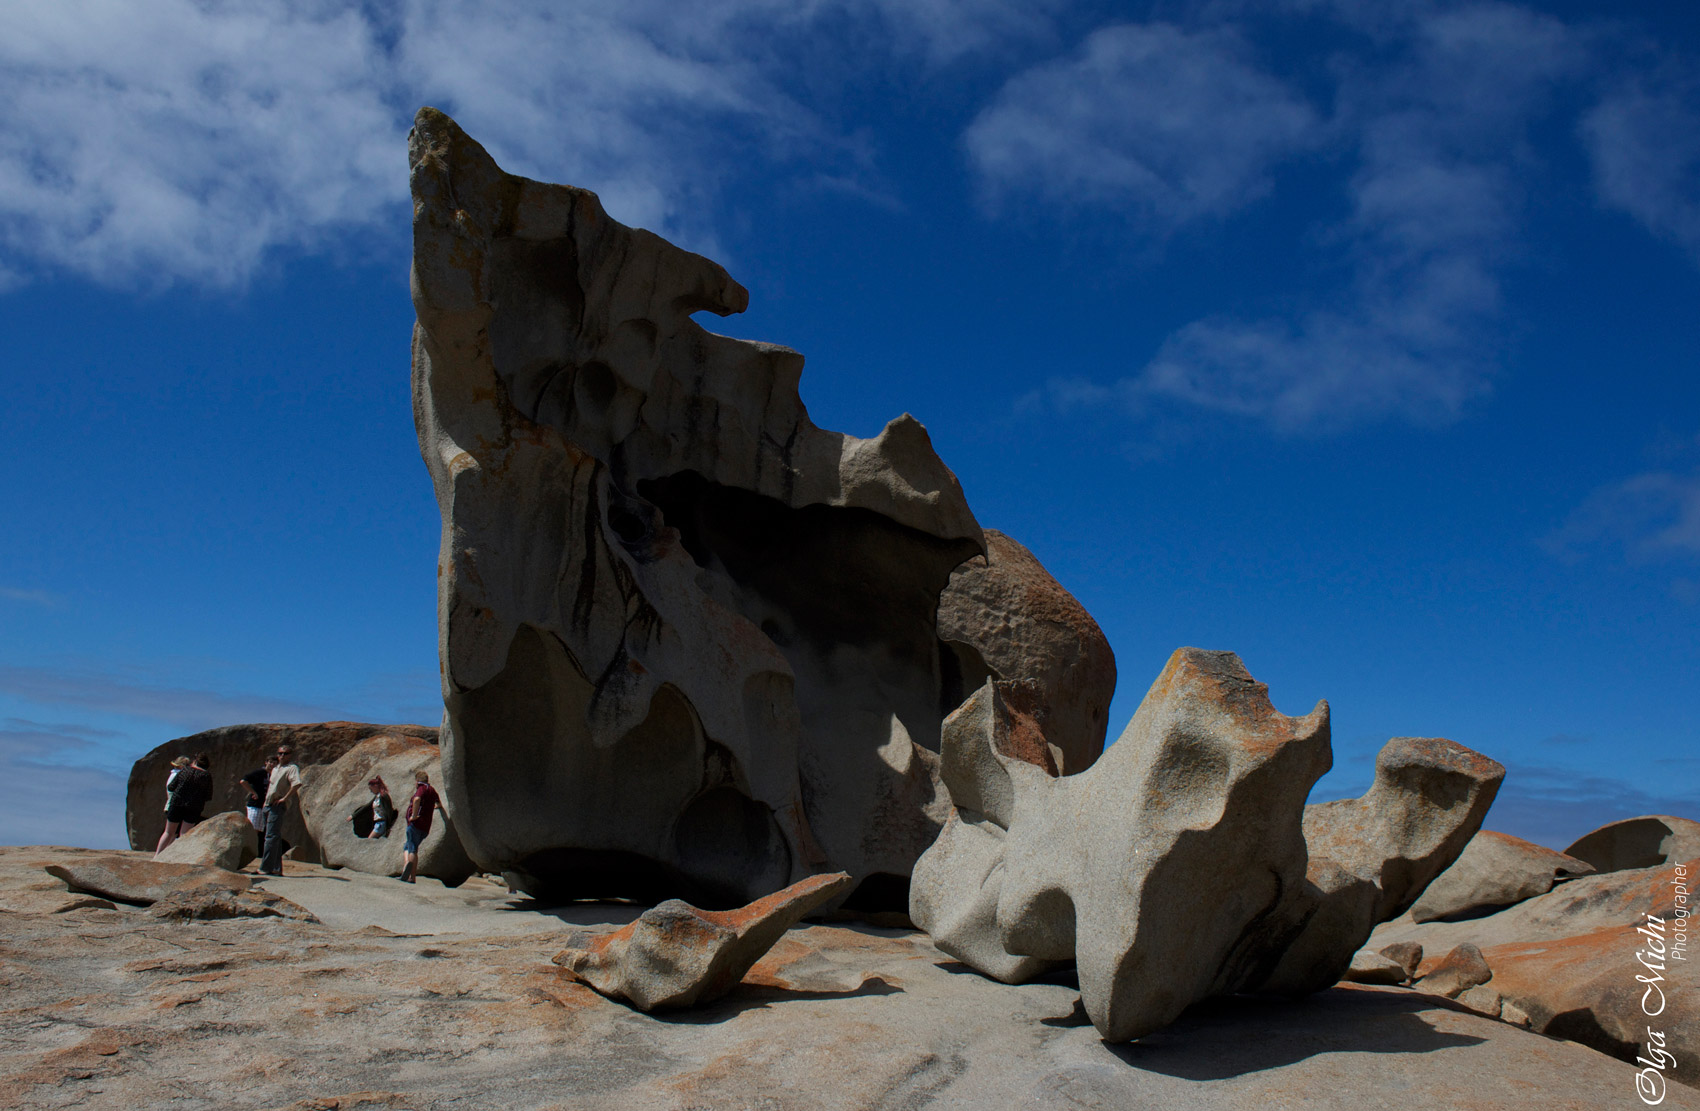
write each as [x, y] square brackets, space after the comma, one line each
[1184, 864]
[1003, 615]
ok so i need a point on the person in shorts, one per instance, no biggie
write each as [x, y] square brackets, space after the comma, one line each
[419, 810]
[174, 799]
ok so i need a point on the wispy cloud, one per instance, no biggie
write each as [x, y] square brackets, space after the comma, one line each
[184, 141]
[48, 800]
[34, 597]
[1650, 517]
[1555, 806]
[186, 708]
[1433, 115]
[1644, 140]
[1162, 124]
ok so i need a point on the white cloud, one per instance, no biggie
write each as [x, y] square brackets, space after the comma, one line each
[1161, 123]
[1435, 117]
[1644, 140]
[187, 140]
[182, 140]
[1650, 516]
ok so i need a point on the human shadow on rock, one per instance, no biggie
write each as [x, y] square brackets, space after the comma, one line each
[750, 997]
[1236, 1035]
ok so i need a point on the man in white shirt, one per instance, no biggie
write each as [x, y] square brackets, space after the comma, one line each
[284, 788]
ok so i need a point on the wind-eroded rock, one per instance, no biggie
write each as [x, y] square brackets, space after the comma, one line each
[1176, 868]
[1495, 870]
[689, 640]
[675, 955]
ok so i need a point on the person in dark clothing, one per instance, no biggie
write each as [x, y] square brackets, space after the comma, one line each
[255, 784]
[419, 810]
[187, 790]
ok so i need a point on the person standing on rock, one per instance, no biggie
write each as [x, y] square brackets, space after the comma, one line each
[256, 783]
[174, 799]
[419, 810]
[285, 786]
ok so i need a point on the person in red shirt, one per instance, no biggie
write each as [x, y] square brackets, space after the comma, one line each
[419, 810]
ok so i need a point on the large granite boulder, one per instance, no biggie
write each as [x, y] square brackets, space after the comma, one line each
[339, 809]
[237, 750]
[689, 640]
[1003, 615]
[1494, 871]
[1176, 868]
[1644, 842]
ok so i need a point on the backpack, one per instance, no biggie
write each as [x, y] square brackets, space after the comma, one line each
[194, 788]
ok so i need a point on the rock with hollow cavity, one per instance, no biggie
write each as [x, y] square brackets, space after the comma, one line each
[1003, 615]
[688, 639]
[1494, 871]
[237, 750]
[1183, 864]
[340, 807]
[1644, 842]
[675, 955]
[222, 841]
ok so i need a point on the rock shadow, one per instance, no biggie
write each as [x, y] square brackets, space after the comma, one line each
[1228, 1037]
[751, 997]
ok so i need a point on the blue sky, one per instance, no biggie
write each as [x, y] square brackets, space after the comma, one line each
[1357, 338]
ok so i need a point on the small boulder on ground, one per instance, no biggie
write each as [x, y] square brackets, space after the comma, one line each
[222, 841]
[675, 955]
[1495, 870]
[1370, 967]
[1457, 972]
[1409, 954]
